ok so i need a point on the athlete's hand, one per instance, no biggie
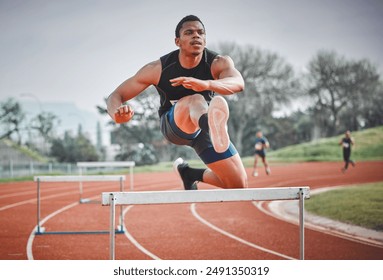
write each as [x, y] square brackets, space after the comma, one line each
[190, 83]
[123, 114]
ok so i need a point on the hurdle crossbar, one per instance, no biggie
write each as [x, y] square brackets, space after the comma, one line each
[93, 164]
[67, 178]
[202, 196]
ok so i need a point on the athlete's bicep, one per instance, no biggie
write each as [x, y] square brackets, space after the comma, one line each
[145, 77]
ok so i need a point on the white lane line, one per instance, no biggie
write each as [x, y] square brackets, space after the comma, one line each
[32, 235]
[194, 212]
[17, 194]
[20, 193]
[34, 200]
[134, 241]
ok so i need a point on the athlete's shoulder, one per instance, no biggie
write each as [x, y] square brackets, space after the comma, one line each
[150, 72]
[222, 62]
[210, 55]
[169, 58]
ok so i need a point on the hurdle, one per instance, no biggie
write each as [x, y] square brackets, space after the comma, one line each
[96, 178]
[203, 196]
[94, 164]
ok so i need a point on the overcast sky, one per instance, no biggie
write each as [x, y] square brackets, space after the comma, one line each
[79, 51]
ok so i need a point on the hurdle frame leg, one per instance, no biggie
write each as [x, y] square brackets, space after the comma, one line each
[38, 207]
[301, 225]
[112, 234]
[40, 230]
[131, 177]
[121, 226]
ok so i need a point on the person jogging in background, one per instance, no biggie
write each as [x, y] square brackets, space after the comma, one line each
[260, 145]
[187, 80]
[346, 142]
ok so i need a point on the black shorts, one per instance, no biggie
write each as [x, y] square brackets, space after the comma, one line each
[261, 153]
[199, 141]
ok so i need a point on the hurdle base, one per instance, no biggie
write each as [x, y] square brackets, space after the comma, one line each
[88, 201]
[85, 200]
[40, 231]
[117, 231]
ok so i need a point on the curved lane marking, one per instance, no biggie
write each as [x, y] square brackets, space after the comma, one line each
[260, 206]
[32, 235]
[134, 241]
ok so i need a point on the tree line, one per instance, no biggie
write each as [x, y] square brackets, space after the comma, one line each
[332, 95]
[39, 135]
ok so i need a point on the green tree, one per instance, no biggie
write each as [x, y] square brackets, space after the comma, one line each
[365, 97]
[11, 117]
[73, 149]
[372, 112]
[44, 123]
[269, 83]
[341, 92]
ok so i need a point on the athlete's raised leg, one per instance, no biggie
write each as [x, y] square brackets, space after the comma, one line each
[192, 113]
[188, 111]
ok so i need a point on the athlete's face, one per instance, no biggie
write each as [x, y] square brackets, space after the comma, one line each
[192, 38]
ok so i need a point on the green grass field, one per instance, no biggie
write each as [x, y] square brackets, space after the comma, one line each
[368, 146]
[360, 205]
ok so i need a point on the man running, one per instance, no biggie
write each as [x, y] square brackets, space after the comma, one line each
[346, 142]
[260, 145]
[186, 80]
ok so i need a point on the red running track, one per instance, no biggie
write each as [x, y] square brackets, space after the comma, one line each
[216, 231]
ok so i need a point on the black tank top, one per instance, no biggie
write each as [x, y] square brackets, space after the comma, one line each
[346, 143]
[171, 68]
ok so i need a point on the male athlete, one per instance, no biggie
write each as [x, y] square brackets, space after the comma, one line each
[260, 145]
[346, 142]
[186, 80]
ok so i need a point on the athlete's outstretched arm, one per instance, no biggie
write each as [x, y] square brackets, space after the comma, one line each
[227, 79]
[146, 76]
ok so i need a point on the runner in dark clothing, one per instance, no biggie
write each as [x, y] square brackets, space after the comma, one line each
[346, 142]
[260, 145]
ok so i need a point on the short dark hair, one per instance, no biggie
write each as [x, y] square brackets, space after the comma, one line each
[185, 19]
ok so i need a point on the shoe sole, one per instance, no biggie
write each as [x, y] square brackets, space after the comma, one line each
[218, 115]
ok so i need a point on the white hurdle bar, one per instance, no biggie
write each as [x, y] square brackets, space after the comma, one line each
[216, 195]
[93, 164]
[69, 178]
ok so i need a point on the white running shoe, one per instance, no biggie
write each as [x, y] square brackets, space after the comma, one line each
[218, 115]
[255, 173]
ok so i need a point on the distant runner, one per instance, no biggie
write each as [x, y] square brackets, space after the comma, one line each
[260, 145]
[346, 142]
